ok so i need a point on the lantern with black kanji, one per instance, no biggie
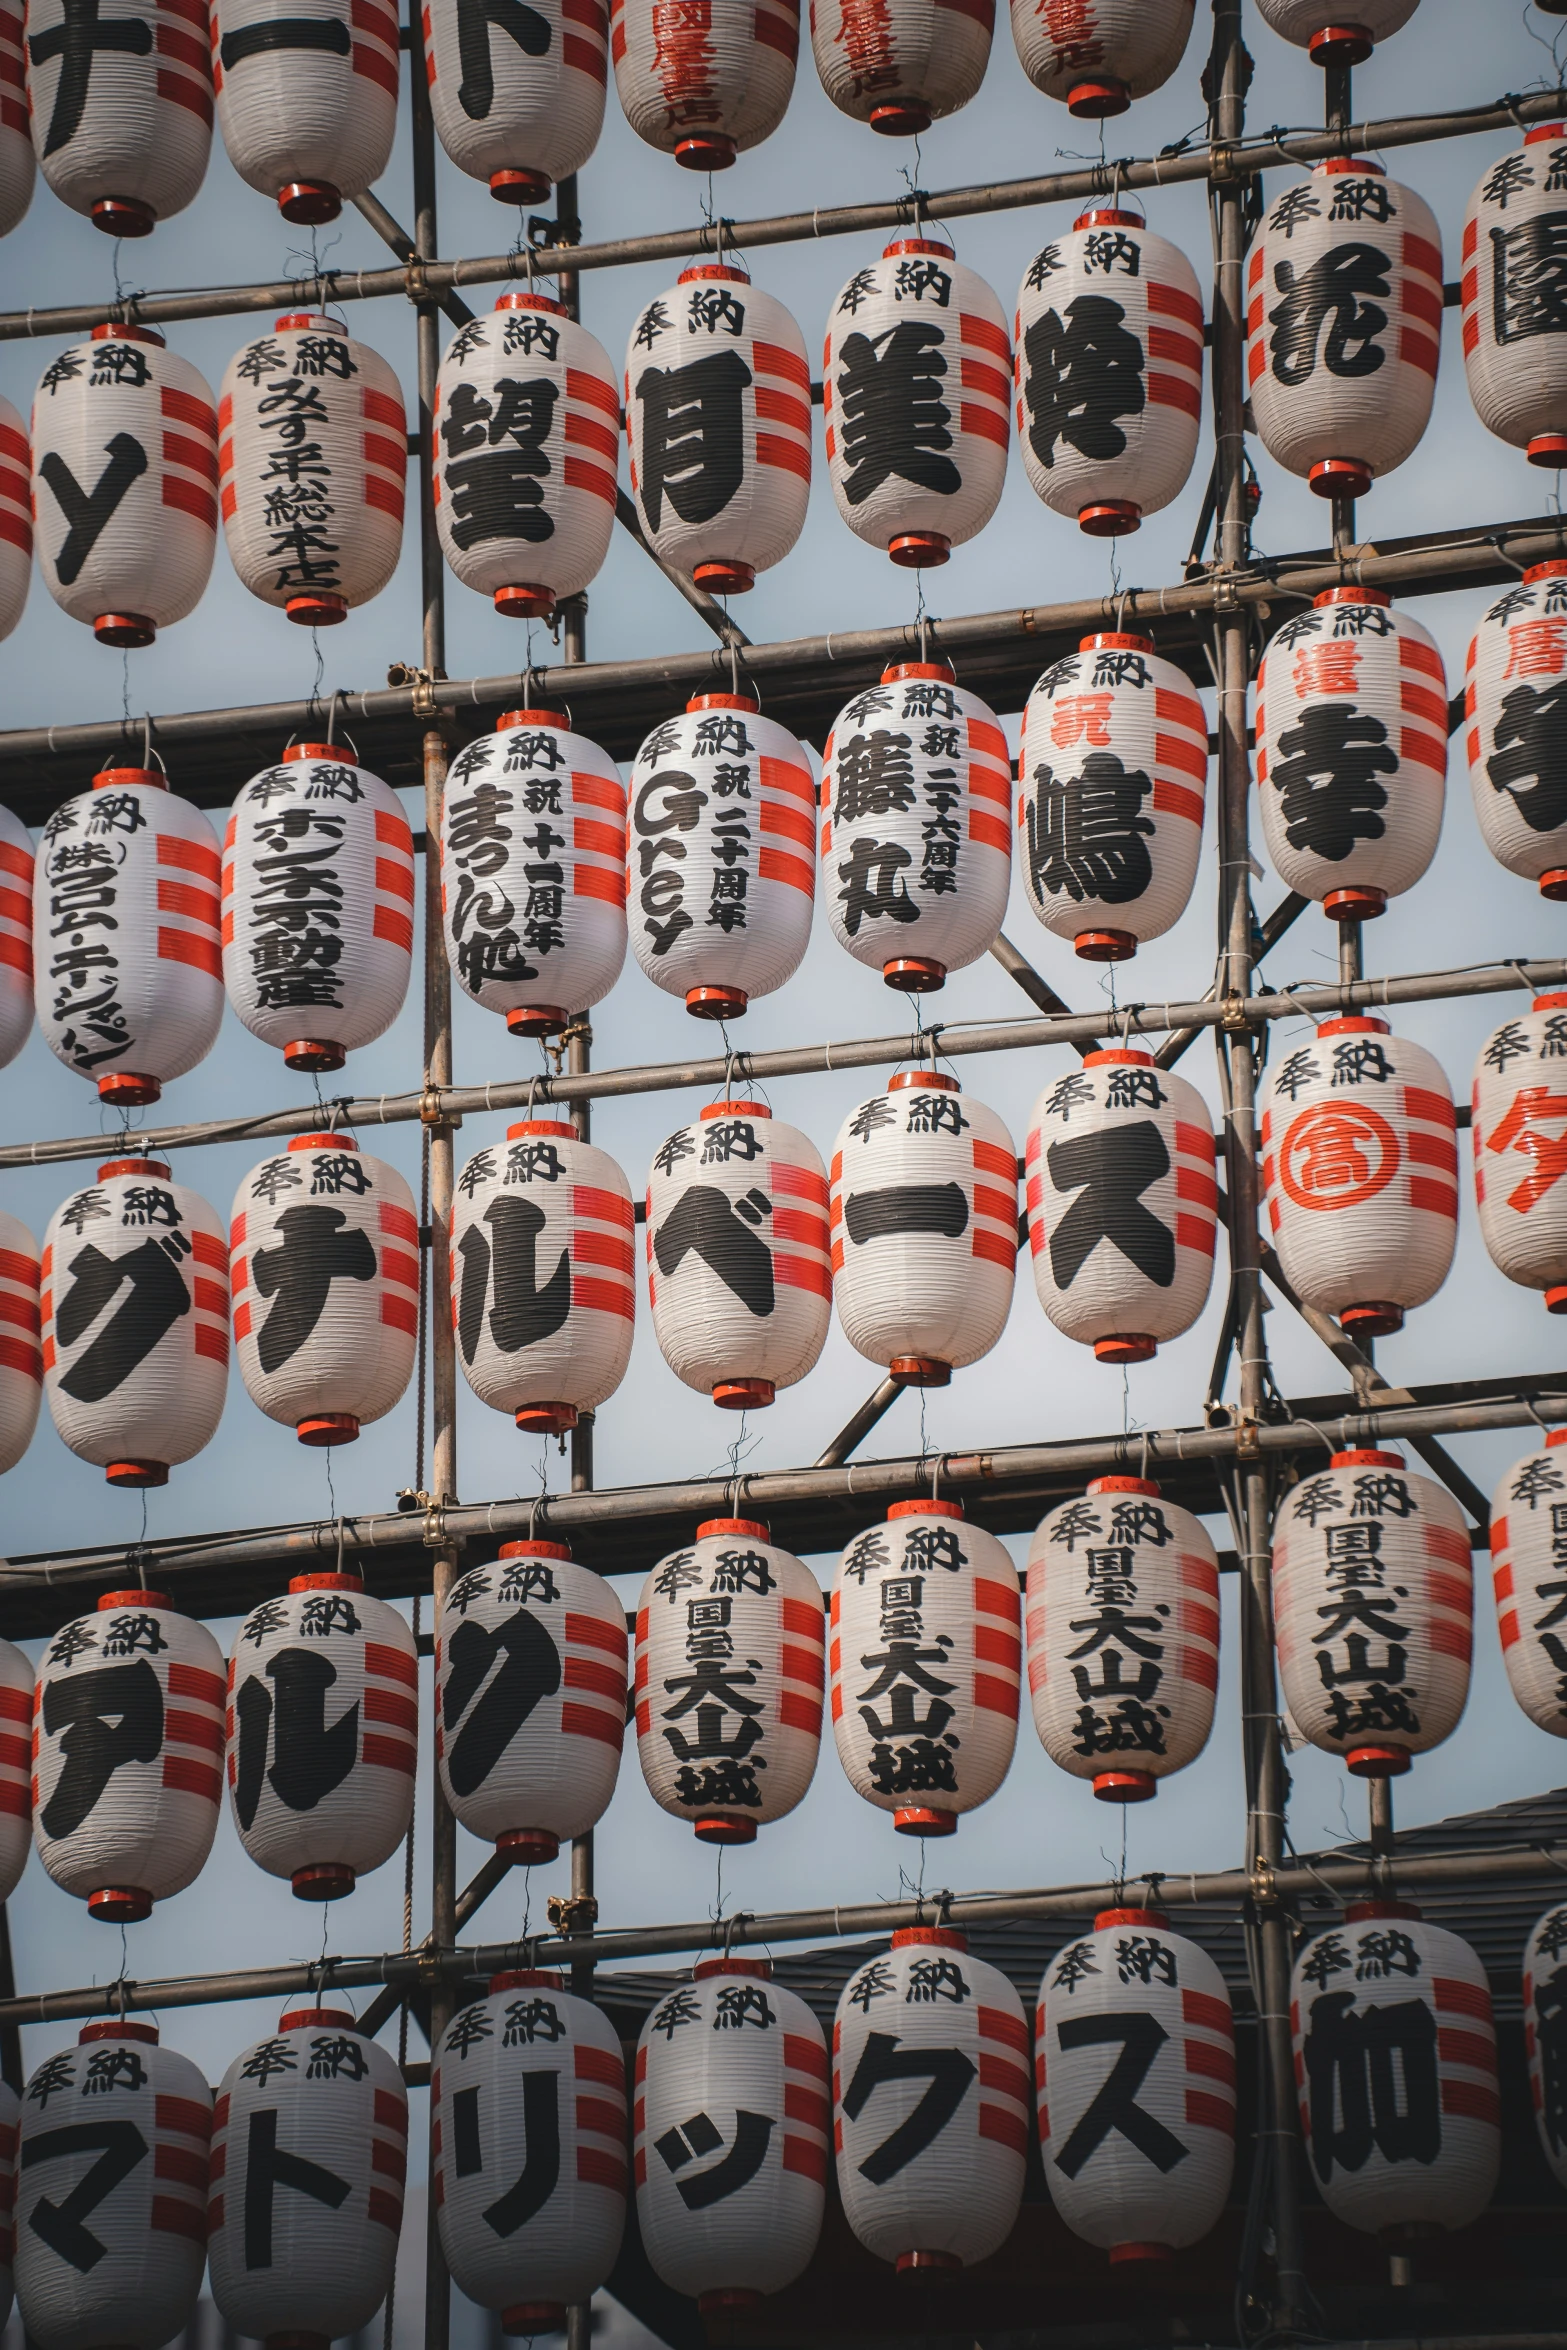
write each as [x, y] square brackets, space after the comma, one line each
[518, 97]
[707, 89]
[16, 1794]
[1545, 2035]
[1515, 681]
[1512, 234]
[1529, 1579]
[1319, 25]
[901, 65]
[16, 146]
[1096, 56]
[21, 1342]
[121, 108]
[307, 104]
[1518, 1122]
[16, 468]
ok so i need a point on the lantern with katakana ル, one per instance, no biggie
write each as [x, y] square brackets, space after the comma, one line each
[731, 2127]
[706, 88]
[307, 104]
[728, 1681]
[121, 108]
[1321, 26]
[931, 2103]
[16, 146]
[1373, 1611]
[21, 1344]
[134, 1315]
[1518, 1121]
[901, 65]
[17, 868]
[1545, 2035]
[1529, 1579]
[16, 1794]
[518, 93]
[916, 392]
[309, 2155]
[1122, 1614]
[1098, 55]
[1512, 260]
[10, 2132]
[1515, 705]
[16, 502]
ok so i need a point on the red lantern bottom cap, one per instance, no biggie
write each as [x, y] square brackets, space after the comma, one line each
[915, 974]
[1125, 1786]
[728, 2297]
[1105, 946]
[328, 1428]
[1361, 902]
[125, 631]
[900, 118]
[119, 1905]
[537, 1020]
[533, 2317]
[324, 1880]
[137, 1473]
[528, 1848]
[1340, 477]
[1548, 449]
[716, 1003]
[320, 609]
[309, 202]
[316, 1053]
[724, 1828]
[1377, 1762]
[919, 1371]
[546, 1419]
[921, 1819]
[706, 151]
[1374, 1319]
[128, 1088]
[744, 1395]
[914, 2264]
[1556, 1303]
[1128, 1346]
[1120, 2253]
[728, 578]
[920, 550]
[526, 601]
[1110, 518]
[1554, 883]
[124, 216]
[1340, 44]
[519, 187]
[1092, 101]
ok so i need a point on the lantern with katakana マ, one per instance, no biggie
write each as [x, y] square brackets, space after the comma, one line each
[21, 1344]
[307, 104]
[121, 108]
[1515, 698]
[1528, 1563]
[707, 88]
[901, 65]
[16, 147]
[1098, 55]
[518, 94]
[1512, 234]
[1321, 26]
[1545, 2035]
[17, 877]
[16, 495]
[1518, 1120]
[16, 1794]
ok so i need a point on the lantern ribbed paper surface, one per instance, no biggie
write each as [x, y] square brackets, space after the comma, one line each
[16, 1794]
[1098, 55]
[307, 97]
[16, 146]
[121, 119]
[1320, 26]
[1528, 1563]
[1515, 684]
[1514, 224]
[1517, 1115]
[17, 874]
[1545, 2035]
[705, 83]
[10, 2132]
[21, 1341]
[518, 99]
[900, 65]
[16, 496]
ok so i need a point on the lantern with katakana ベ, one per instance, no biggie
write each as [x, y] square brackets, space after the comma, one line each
[1098, 55]
[518, 99]
[17, 872]
[16, 146]
[16, 1794]
[731, 2131]
[307, 104]
[901, 65]
[1321, 26]
[1545, 2035]
[931, 2103]
[1395, 2058]
[1515, 682]
[10, 2131]
[16, 497]
[1360, 1172]
[1512, 231]
[121, 108]
[1517, 1114]
[319, 549]
[917, 394]
[1373, 1611]
[705, 88]
[21, 1345]
[1122, 1615]
[723, 824]
[309, 2155]
[728, 1681]
[1528, 1563]
[134, 1315]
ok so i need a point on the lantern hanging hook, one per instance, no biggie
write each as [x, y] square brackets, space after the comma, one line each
[733, 651]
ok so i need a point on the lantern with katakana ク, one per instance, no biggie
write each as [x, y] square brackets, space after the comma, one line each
[901, 65]
[324, 1260]
[310, 386]
[16, 1794]
[1528, 1562]
[915, 838]
[21, 1346]
[1098, 55]
[730, 2134]
[16, 146]
[1395, 2058]
[1515, 681]
[1517, 1114]
[518, 100]
[1512, 231]
[1321, 26]
[917, 392]
[925, 1665]
[723, 823]
[16, 497]
[1123, 1637]
[128, 1754]
[307, 104]
[728, 1681]
[931, 2103]
[121, 108]
[1545, 2035]
[309, 2155]
[17, 873]
[705, 89]
[1360, 1172]
[134, 1316]
[1373, 1611]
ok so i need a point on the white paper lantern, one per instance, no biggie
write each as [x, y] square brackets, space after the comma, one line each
[518, 99]
[307, 103]
[738, 1270]
[125, 510]
[10, 2133]
[121, 108]
[1517, 1114]
[1528, 1560]
[16, 146]
[128, 1762]
[728, 1681]
[17, 868]
[917, 395]
[16, 465]
[1098, 55]
[1544, 2020]
[901, 65]
[16, 1800]
[21, 1345]
[931, 2103]
[1318, 25]
[1373, 1611]
[708, 89]
[731, 2130]
[324, 1260]
[1517, 381]
[1518, 781]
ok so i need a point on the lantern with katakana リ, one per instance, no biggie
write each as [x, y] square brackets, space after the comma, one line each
[728, 1681]
[16, 146]
[21, 1344]
[901, 65]
[530, 1683]
[1373, 1611]
[17, 874]
[16, 1794]
[1321, 27]
[518, 98]
[1098, 55]
[705, 89]
[16, 497]
[1515, 683]
[1545, 2035]
[307, 104]
[916, 392]
[1528, 1563]
[731, 2132]
[1512, 231]
[1122, 1614]
[1518, 1120]
[121, 108]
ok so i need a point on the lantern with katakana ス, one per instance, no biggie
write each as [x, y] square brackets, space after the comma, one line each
[16, 146]
[17, 876]
[1515, 684]
[21, 1343]
[1545, 2035]
[1512, 231]
[16, 497]
[1098, 55]
[518, 97]
[121, 108]
[705, 88]
[307, 104]
[1321, 27]
[901, 65]
[1528, 1564]
[16, 1794]
[1518, 1121]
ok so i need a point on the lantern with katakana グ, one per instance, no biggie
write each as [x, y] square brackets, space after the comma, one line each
[931, 2103]
[1545, 2035]
[1518, 1120]
[1321, 26]
[17, 874]
[731, 2131]
[530, 1682]
[916, 392]
[309, 2154]
[728, 1681]
[1360, 1173]
[16, 1794]
[1123, 1637]
[707, 88]
[518, 97]
[16, 497]
[16, 146]
[1515, 684]
[121, 108]
[307, 104]
[901, 65]
[1528, 1564]
[1098, 55]
[1373, 1611]
[21, 1345]
[1512, 237]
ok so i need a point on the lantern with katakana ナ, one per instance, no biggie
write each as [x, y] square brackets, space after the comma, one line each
[1321, 26]
[1512, 229]
[16, 1793]
[307, 104]
[1096, 56]
[1545, 2035]
[1528, 1562]
[704, 88]
[1519, 784]
[1518, 1121]
[518, 95]
[16, 495]
[21, 1343]
[16, 146]
[901, 65]
[121, 108]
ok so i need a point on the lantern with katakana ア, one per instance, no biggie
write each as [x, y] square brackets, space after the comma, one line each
[16, 146]
[1373, 1611]
[931, 2103]
[704, 88]
[731, 2132]
[1098, 55]
[1528, 1562]
[1321, 27]
[1545, 2035]
[1518, 1121]
[16, 1794]
[21, 1342]
[518, 99]
[307, 104]
[17, 873]
[16, 497]
[728, 1681]
[121, 108]
[1515, 682]
[901, 65]
[1512, 229]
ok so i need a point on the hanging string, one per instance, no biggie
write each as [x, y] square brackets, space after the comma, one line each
[125, 690]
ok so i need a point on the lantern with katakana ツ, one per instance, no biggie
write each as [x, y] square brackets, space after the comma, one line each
[16, 1794]
[901, 65]
[518, 100]
[16, 147]
[1515, 690]
[1545, 2035]
[121, 108]
[1098, 55]
[307, 104]
[21, 1342]
[1529, 1580]
[16, 503]
[1512, 236]
[705, 88]
[1518, 1121]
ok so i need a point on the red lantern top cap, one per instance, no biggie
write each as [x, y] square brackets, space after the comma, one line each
[1557, 1436]
[1549, 1003]
[527, 1978]
[917, 245]
[722, 702]
[118, 2027]
[323, 1142]
[314, 321]
[558, 1126]
[155, 1167]
[339, 751]
[759, 1969]
[1115, 640]
[758, 1530]
[304, 2019]
[927, 1937]
[729, 272]
[1543, 130]
[124, 778]
[1358, 1024]
[931, 1080]
[1555, 569]
[1118, 1056]
[1130, 1917]
[1365, 1458]
[527, 301]
[326, 1583]
[1360, 166]
[1352, 595]
[1355, 1911]
[734, 1110]
[534, 1550]
[1123, 1485]
[1108, 216]
[532, 718]
[135, 1598]
[933, 1508]
[108, 333]
[896, 671]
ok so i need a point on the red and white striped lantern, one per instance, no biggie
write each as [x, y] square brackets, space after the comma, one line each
[1373, 1611]
[1343, 325]
[121, 123]
[518, 100]
[707, 87]
[728, 1682]
[16, 146]
[17, 867]
[730, 2135]
[1360, 1173]
[915, 792]
[1123, 1637]
[530, 1689]
[127, 1754]
[1510, 233]
[328, 539]
[1518, 1119]
[1528, 1561]
[925, 1665]
[324, 1260]
[1098, 55]
[16, 1799]
[1544, 2017]
[21, 1347]
[307, 104]
[931, 2103]
[901, 65]
[10, 2134]
[1318, 25]
[16, 474]
[723, 825]
[917, 395]
[1514, 681]
[124, 459]
[134, 1316]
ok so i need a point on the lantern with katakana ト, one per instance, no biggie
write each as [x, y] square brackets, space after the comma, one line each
[309, 2155]
[1515, 682]
[917, 396]
[121, 108]
[1122, 1614]
[901, 65]
[1545, 2035]
[723, 826]
[1512, 231]
[916, 840]
[1373, 1611]
[125, 507]
[307, 104]
[1096, 56]
[1518, 1121]
[16, 507]
[309, 407]
[731, 2131]
[16, 146]
[530, 1684]
[134, 1315]
[1395, 2058]
[128, 1754]
[324, 1260]
[1360, 1172]
[17, 870]
[704, 87]
[931, 2103]
[10, 2131]
[925, 1665]
[16, 1794]
[1337, 32]
[1528, 1564]
[21, 1346]
[110, 2215]
[518, 96]
[728, 1681]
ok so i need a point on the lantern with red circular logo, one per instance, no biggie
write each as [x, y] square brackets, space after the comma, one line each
[901, 65]
[1515, 676]
[707, 89]
[1528, 1560]
[16, 467]
[21, 1340]
[518, 101]
[16, 147]
[1096, 56]
[1518, 1120]
[122, 124]
[1517, 380]
[1321, 26]
[16, 1794]
[307, 104]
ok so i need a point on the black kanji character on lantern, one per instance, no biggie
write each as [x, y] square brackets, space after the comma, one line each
[1297, 204]
[902, 1671]
[1386, 1951]
[1326, 779]
[109, 2069]
[935, 1979]
[1529, 758]
[934, 1113]
[1532, 1482]
[715, 307]
[1373, 1614]
[80, 34]
[920, 1766]
[743, 1570]
[1296, 1072]
[1069, 1093]
[314, 1247]
[740, 2004]
[1087, 835]
[532, 2022]
[1508, 1044]
[336, 2057]
[496, 460]
[705, 1222]
[892, 418]
[59, 371]
[118, 363]
[334, 1172]
[871, 1117]
[1084, 372]
[1506, 179]
[495, 1682]
[874, 1981]
[1361, 199]
[1372, 2083]
[947, 2072]
[1110, 1171]
[1075, 1963]
[1343, 291]
[1044, 265]
[693, 435]
[1114, 2106]
[726, 1139]
[1361, 1060]
[873, 887]
[899, 1209]
[708, 1693]
[133, 1632]
[1382, 1493]
[1143, 1958]
[271, 1616]
[680, 1145]
[1134, 1089]
[88, 512]
[654, 321]
[681, 2007]
[468, 2030]
[874, 775]
[54, 2076]
[154, 1301]
[526, 26]
[1078, 1522]
[310, 1758]
[267, 2058]
[1327, 1957]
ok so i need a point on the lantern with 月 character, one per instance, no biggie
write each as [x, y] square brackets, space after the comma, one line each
[1515, 725]
[1529, 1578]
[1096, 56]
[1518, 1121]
